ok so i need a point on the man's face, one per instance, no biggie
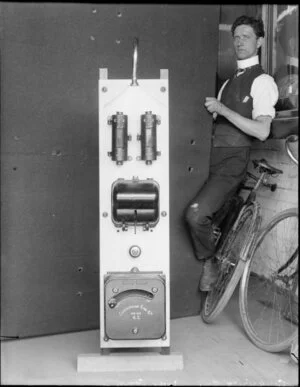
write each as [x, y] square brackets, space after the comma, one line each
[245, 42]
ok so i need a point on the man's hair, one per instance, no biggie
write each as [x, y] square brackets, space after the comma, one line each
[256, 24]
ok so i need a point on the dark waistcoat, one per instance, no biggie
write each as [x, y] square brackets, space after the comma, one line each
[236, 96]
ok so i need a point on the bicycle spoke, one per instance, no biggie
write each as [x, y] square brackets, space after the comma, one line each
[231, 264]
[268, 295]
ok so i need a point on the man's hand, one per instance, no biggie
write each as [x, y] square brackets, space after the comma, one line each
[259, 127]
[213, 105]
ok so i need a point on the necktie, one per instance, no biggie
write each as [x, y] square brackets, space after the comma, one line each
[238, 72]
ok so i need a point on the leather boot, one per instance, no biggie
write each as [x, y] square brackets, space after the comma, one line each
[209, 275]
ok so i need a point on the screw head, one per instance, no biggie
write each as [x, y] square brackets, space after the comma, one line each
[104, 89]
[135, 251]
[105, 214]
[163, 89]
[163, 213]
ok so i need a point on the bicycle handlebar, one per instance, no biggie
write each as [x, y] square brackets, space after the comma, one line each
[291, 138]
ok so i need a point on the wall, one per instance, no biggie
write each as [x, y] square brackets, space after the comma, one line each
[50, 59]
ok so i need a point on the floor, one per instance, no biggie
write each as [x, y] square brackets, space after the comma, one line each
[215, 354]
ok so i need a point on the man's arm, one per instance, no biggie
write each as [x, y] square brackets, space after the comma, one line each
[259, 127]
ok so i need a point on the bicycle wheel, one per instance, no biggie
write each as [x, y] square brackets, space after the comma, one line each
[231, 259]
[268, 297]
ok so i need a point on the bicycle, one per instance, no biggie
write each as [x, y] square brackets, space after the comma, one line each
[235, 228]
[268, 297]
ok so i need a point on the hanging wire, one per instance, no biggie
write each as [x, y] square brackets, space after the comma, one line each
[135, 58]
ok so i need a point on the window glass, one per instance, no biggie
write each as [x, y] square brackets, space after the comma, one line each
[286, 55]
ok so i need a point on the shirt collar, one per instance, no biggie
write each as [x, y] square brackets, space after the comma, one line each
[243, 64]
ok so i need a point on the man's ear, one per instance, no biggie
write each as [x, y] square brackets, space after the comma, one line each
[259, 42]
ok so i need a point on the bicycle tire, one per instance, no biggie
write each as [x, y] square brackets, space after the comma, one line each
[261, 297]
[233, 254]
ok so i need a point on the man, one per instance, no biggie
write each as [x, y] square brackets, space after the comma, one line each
[243, 111]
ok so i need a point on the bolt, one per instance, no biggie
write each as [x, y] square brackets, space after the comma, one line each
[135, 331]
[163, 213]
[105, 338]
[115, 290]
[154, 290]
[163, 89]
[135, 251]
[105, 214]
[104, 89]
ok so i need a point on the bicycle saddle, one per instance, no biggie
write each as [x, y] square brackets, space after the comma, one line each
[264, 166]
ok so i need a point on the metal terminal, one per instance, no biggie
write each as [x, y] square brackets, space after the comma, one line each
[135, 251]
[135, 58]
[120, 137]
[148, 137]
[112, 303]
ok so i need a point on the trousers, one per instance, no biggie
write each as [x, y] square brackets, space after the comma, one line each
[228, 167]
